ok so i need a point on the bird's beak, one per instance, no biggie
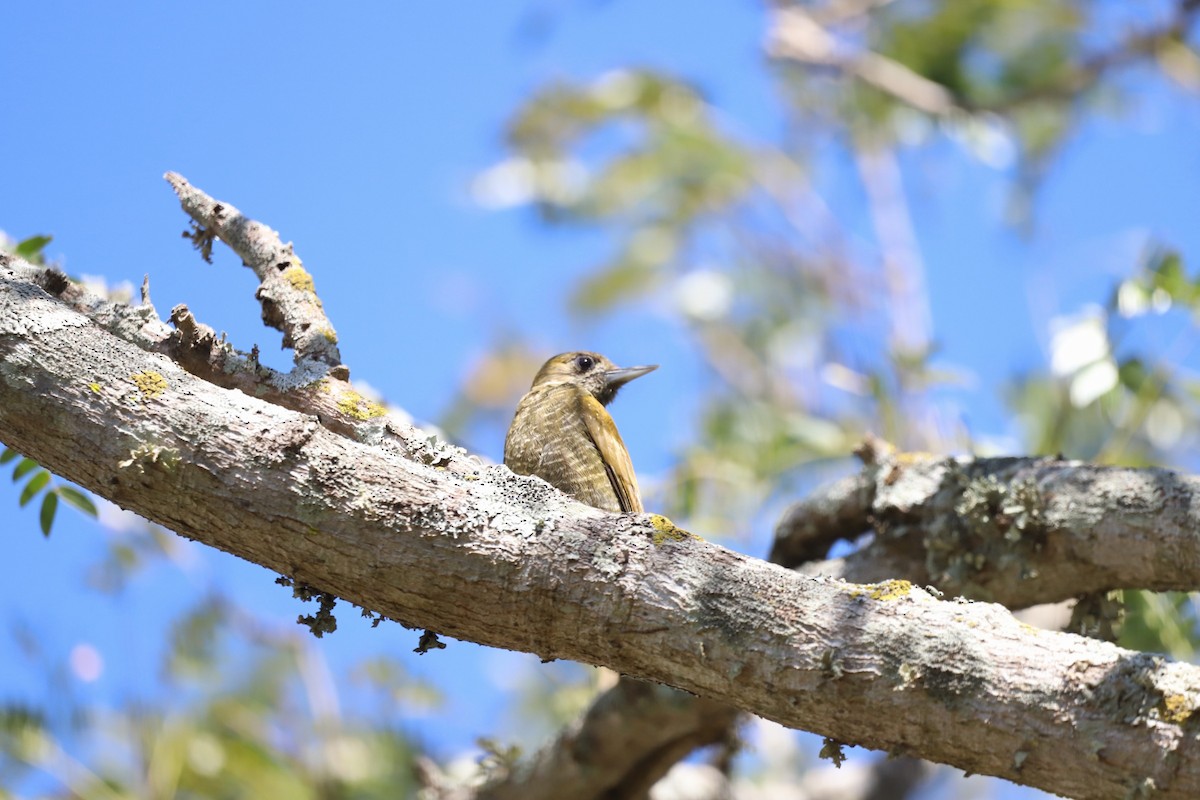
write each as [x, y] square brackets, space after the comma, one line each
[616, 378]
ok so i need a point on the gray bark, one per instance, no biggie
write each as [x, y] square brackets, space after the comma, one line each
[1019, 531]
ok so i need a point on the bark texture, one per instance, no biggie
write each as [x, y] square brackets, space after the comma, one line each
[1018, 531]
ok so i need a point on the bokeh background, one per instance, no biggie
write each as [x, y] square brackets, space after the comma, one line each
[965, 226]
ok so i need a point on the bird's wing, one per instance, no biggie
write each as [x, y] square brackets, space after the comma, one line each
[604, 434]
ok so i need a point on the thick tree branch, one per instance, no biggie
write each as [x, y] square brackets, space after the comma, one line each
[1018, 531]
[506, 561]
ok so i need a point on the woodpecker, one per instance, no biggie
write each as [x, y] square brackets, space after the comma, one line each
[563, 434]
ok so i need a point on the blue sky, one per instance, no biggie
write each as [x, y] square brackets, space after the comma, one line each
[356, 133]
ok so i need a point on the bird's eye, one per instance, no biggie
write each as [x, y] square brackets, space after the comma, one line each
[584, 363]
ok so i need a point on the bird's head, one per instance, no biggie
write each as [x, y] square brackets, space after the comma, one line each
[592, 372]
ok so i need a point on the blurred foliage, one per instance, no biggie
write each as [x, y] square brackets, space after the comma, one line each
[256, 713]
[505, 371]
[1114, 393]
[1025, 73]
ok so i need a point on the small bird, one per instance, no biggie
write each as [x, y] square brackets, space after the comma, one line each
[563, 434]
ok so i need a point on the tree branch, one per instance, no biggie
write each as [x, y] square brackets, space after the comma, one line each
[629, 737]
[841, 510]
[802, 35]
[1017, 531]
[286, 292]
[508, 562]
[797, 35]
[311, 388]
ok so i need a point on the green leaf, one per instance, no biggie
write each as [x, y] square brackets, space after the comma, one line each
[73, 497]
[26, 466]
[1133, 374]
[35, 485]
[1158, 623]
[49, 509]
[31, 249]
[620, 282]
[8, 455]
[1168, 274]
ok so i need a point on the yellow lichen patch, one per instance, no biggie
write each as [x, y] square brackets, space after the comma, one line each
[354, 405]
[888, 590]
[150, 384]
[891, 590]
[329, 334]
[917, 457]
[95, 387]
[1176, 708]
[299, 278]
[665, 530]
